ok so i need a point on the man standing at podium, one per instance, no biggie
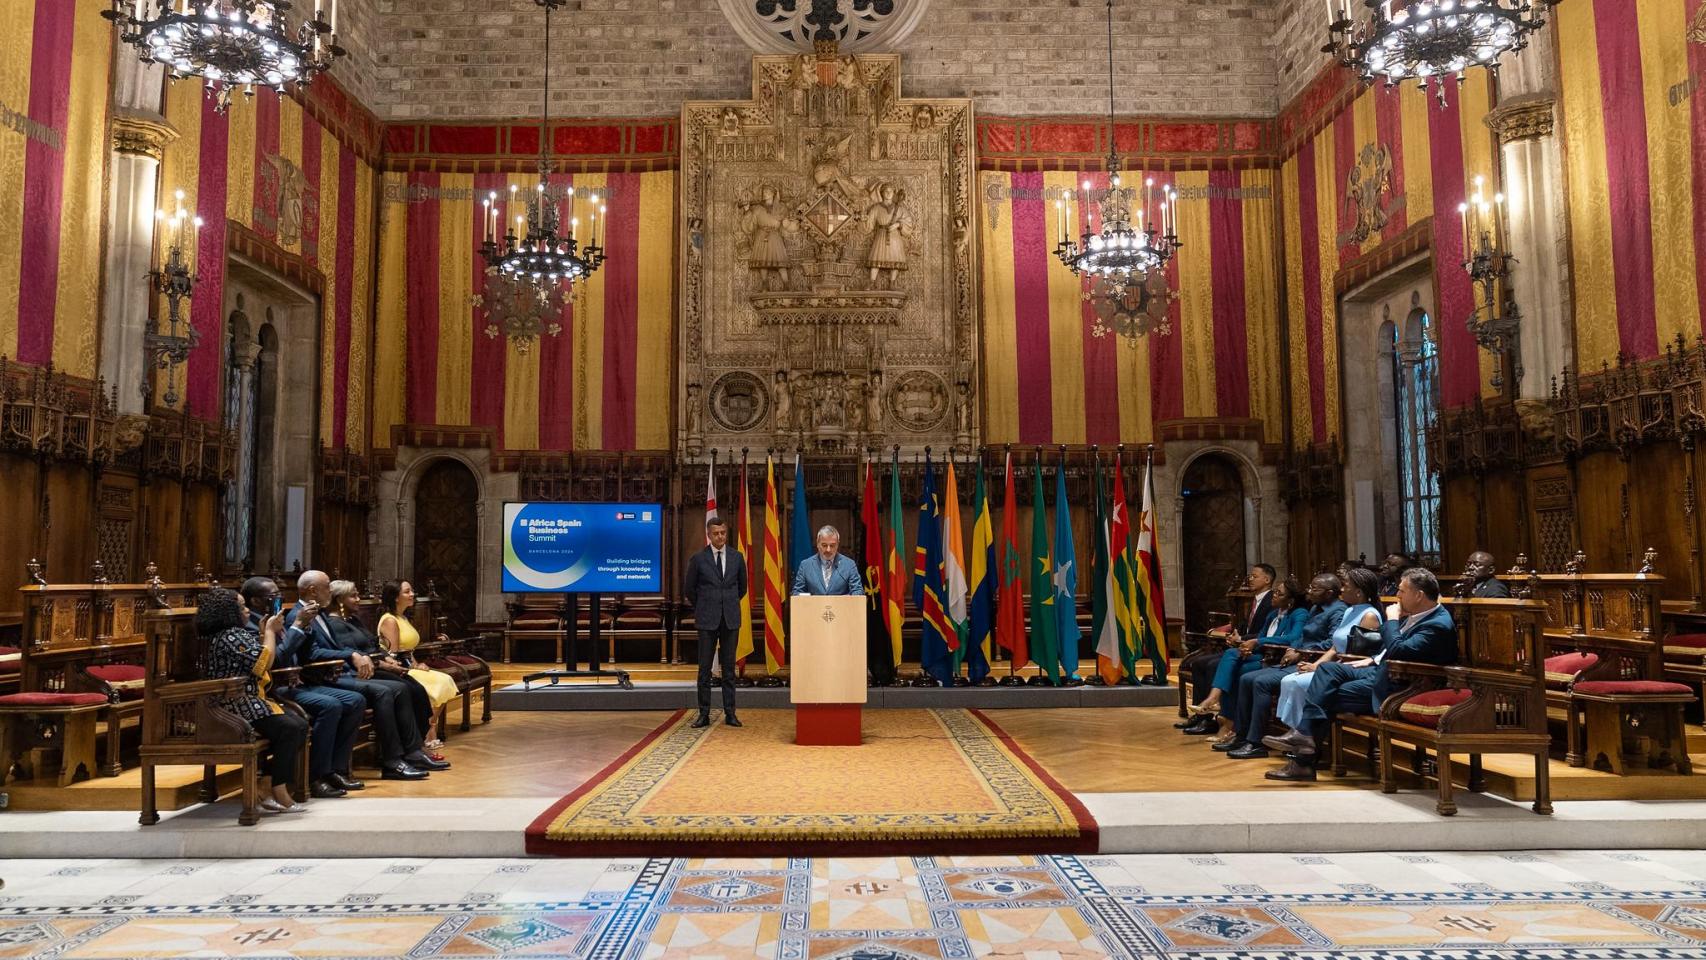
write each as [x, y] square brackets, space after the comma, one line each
[827, 573]
[715, 587]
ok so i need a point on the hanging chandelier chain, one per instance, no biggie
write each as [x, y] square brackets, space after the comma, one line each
[1113, 150]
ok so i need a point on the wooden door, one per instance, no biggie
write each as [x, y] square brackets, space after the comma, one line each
[1213, 538]
[447, 540]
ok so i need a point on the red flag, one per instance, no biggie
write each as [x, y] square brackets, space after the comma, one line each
[1010, 609]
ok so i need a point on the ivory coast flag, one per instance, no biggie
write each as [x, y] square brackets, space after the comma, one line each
[743, 545]
[775, 654]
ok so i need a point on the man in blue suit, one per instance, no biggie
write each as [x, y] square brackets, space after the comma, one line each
[827, 573]
[1258, 689]
[1422, 633]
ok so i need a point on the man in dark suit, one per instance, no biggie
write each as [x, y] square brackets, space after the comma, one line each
[1422, 633]
[1481, 578]
[1203, 664]
[1258, 689]
[715, 586]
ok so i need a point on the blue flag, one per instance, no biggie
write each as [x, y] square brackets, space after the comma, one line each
[927, 588]
[1065, 580]
[976, 650]
[801, 543]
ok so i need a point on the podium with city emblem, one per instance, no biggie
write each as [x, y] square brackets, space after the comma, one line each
[827, 673]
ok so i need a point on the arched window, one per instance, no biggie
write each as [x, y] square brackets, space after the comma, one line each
[1415, 384]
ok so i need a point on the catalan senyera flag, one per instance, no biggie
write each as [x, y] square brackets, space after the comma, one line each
[1010, 612]
[775, 649]
[894, 563]
[1153, 617]
[1125, 571]
[954, 567]
[977, 650]
[743, 544]
[1104, 622]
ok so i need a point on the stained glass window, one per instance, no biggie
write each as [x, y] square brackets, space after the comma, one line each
[1416, 384]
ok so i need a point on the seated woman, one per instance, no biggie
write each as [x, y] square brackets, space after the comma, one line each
[1284, 627]
[234, 650]
[1361, 595]
[401, 638]
[350, 634]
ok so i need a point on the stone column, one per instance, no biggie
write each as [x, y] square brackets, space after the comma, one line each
[139, 138]
[241, 495]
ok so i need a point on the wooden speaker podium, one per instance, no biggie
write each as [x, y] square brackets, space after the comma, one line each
[827, 669]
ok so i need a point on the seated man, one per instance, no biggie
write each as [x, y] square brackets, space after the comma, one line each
[1281, 623]
[1425, 634]
[309, 639]
[1390, 570]
[1256, 690]
[1481, 578]
[1205, 666]
[334, 714]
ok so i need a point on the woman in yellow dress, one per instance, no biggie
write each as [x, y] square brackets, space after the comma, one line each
[400, 637]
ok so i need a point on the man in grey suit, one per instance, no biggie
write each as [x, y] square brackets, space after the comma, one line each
[715, 586]
[828, 573]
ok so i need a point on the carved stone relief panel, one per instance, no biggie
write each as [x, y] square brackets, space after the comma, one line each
[827, 285]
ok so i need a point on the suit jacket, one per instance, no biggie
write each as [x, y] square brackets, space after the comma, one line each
[1491, 588]
[1260, 614]
[843, 580]
[1432, 639]
[1318, 629]
[715, 596]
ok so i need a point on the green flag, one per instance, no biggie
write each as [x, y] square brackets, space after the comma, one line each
[1045, 647]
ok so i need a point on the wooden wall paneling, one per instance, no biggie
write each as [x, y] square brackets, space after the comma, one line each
[1463, 526]
[1688, 504]
[1505, 524]
[1658, 473]
[68, 523]
[20, 527]
[1602, 512]
[1551, 506]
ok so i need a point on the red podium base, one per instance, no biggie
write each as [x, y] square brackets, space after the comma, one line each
[827, 724]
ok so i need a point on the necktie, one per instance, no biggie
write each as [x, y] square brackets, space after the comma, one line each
[720, 568]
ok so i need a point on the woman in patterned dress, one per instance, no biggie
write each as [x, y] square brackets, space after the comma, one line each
[235, 650]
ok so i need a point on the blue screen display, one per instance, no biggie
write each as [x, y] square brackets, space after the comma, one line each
[583, 548]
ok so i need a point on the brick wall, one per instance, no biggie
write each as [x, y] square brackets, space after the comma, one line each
[455, 59]
[1300, 29]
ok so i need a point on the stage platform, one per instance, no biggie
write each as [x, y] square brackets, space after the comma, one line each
[679, 695]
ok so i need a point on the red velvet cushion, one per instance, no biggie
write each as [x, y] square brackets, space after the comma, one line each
[51, 699]
[1425, 709]
[11, 660]
[1564, 667]
[126, 679]
[1685, 648]
[1632, 687]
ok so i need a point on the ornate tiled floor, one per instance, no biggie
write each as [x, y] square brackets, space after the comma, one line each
[1579, 904]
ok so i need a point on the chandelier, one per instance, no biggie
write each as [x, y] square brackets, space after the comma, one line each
[1429, 40]
[174, 278]
[1496, 322]
[228, 43]
[1123, 263]
[521, 311]
[533, 245]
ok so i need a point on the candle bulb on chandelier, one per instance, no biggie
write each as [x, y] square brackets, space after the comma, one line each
[1502, 223]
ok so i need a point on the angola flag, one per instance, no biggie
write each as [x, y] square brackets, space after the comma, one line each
[1010, 615]
[1104, 622]
[976, 650]
[876, 626]
[1065, 580]
[894, 563]
[775, 650]
[1125, 572]
[1045, 649]
[1150, 592]
[936, 655]
[743, 546]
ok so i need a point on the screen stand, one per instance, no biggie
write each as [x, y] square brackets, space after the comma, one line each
[571, 609]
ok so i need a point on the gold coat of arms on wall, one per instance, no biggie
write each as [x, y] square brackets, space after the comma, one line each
[827, 285]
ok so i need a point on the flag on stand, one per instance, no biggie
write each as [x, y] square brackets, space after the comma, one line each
[935, 652]
[1010, 614]
[801, 543]
[743, 546]
[710, 496]
[1065, 580]
[876, 624]
[1125, 572]
[1104, 620]
[976, 650]
[775, 652]
[954, 571]
[1044, 629]
[894, 563]
[1154, 616]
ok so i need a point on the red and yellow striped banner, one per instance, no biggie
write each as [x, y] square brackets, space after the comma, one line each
[54, 61]
[580, 390]
[1633, 86]
[1049, 379]
[1434, 153]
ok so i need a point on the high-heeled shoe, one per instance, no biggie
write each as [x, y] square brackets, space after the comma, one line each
[1204, 710]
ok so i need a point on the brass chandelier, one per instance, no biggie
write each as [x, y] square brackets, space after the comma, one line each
[228, 43]
[1429, 41]
[1123, 263]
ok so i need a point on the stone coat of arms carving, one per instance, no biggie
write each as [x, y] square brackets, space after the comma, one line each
[826, 261]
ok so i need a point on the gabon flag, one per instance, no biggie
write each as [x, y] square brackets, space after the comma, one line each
[775, 653]
[743, 545]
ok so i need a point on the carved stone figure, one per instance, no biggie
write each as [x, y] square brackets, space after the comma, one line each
[730, 121]
[874, 403]
[763, 224]
[834, 408]
[695, 413]
[802, 392]
[962, 409]
[784, 401]
[889, 232]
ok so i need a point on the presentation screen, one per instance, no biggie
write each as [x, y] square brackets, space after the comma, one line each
[583, 548]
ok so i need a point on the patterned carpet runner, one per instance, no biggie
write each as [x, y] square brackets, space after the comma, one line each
[924, 782]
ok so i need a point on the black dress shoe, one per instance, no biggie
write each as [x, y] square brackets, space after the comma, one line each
[730, 720]
[1249, 751]
[326, 790]
[345, 781]
[421, 761]
[1227, 747]
[1208, 729]
[401, 771]
[1293, 772]
[703, 721]
[1153, 681]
